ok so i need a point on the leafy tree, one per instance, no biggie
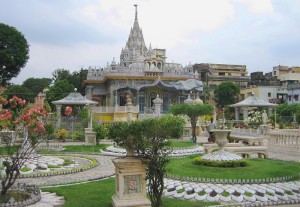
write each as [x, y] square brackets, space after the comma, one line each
[193, 111]
[226, 92]
[20, 91]
[155, 148]
[60, 74]
[206, 93]
[149, 140]
[101, 132]
[14, 51]
[76, 78]
[37, 85]
[59, 90]
[288, 110]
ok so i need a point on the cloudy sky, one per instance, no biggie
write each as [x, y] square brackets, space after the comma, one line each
[77, 34]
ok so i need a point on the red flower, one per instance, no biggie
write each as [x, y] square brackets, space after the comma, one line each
[68, 111]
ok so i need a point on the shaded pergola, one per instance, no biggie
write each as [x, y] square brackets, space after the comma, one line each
[74, 98]
[251, 101]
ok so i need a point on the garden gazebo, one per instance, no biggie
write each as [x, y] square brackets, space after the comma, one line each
[74, 98]
[251, 101]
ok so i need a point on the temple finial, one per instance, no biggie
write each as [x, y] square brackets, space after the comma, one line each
[135, 11]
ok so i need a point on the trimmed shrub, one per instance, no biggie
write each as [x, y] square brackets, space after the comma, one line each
[223, 164]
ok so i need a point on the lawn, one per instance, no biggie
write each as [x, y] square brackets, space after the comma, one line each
[99, 193]
[180, 143]
[258, 168]
[85, 148]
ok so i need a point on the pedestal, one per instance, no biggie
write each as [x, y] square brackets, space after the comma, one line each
[130, 183]
[90, 136]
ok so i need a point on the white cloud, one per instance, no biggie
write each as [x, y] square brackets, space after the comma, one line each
[259, 6]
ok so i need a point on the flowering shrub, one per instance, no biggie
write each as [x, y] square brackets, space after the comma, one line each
[27, 121]
[61, 134]
[254, 118]
[16, 113]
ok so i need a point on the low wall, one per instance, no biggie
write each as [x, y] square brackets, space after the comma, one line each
[285, 143]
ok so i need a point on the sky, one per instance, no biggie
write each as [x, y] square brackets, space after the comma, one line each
[77, 34]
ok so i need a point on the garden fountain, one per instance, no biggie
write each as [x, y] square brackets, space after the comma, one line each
[221, 154]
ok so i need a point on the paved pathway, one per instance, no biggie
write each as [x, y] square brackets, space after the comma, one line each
[106, 168]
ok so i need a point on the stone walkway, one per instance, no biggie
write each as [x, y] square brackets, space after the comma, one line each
[285, 194]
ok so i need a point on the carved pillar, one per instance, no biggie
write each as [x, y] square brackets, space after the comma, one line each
[245, 113]
[237, 114]
[129, 107]
[58, 110]
[270, 112]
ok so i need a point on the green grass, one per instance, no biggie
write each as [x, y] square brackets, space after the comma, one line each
[180, 143]
[99, 193]
[257, 168]
[84, 148]
[25, 169]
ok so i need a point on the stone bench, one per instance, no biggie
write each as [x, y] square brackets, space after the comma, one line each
[246, 151]
[250, 140]
[208, 148]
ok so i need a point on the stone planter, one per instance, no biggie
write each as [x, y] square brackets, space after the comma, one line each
[178, 195]
[272, 198]
[225, 198]
[213, 198]
[200, 197]
[250, 198]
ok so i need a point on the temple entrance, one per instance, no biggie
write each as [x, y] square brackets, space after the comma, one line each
[153, 96]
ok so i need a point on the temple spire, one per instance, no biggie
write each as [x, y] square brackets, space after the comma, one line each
[135, 11]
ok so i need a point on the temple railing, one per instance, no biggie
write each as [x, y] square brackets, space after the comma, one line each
[114, 109]
[285, 144]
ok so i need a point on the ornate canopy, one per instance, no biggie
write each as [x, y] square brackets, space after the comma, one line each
[74, 98]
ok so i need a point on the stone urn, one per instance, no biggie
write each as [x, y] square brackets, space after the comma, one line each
[221, 137]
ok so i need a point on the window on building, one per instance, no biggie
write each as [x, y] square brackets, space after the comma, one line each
[229, 74]
[274, 72]
[290, 98]
[221, 73]
[269, 94]
[296, 97]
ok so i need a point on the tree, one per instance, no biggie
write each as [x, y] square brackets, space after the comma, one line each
[20, 91]
[193, 111]
[149, 140]
[59, 90]
[226, 92]
[60, 74]
[14, 51]
[76, 78]
[37, 85]
[155, 148]
[28, 122]
[206, 93]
